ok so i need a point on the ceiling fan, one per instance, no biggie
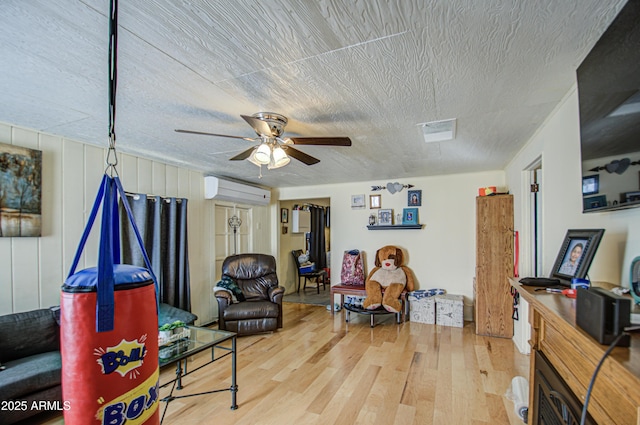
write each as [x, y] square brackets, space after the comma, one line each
[273, 150]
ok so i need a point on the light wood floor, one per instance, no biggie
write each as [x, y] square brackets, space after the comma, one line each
[320, 370]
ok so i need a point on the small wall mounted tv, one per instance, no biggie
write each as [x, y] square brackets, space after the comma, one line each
[609, 101]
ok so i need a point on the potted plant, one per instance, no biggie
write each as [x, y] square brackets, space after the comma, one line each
[167, 330]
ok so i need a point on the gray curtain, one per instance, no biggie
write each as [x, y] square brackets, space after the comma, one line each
[317, 249]
[163, 227]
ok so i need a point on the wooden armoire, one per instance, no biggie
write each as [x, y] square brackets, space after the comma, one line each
[494, 266]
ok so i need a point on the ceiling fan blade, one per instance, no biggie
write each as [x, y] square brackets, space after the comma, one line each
[261, 127]
[214, 134]
[326, 141]
[300, 156]
[243, 155]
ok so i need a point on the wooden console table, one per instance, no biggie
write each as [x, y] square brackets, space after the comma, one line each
[574, 354]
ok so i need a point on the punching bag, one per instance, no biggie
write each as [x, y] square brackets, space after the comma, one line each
[109, 329]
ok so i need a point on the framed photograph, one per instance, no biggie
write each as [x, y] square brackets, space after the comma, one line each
[410, 216]
[20, 191]
[375, 201]
[385, 217]
[631, 196]
[357, 201]
[576, 254]
[414, 198]
[590, 185]
[284, 215]
[592, 202]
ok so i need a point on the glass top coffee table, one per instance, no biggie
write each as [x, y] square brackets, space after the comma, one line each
[198, 340]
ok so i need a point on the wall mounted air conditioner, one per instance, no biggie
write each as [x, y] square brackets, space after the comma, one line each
[226, 190]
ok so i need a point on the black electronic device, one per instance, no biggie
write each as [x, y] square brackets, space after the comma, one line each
[544, 282]
[603, 315]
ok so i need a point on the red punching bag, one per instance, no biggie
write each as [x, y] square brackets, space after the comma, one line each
[109, 329]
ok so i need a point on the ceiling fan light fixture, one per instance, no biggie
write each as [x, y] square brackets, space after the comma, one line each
[273, 164]
[263, 154]
[280, 158]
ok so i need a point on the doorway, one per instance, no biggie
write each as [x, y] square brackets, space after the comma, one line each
[531, 241]
[298, 238]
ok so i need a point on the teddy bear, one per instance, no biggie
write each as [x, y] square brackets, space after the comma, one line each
[391, 274]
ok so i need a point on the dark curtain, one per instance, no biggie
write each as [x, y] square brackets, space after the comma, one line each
[317, 249]
[163, 227]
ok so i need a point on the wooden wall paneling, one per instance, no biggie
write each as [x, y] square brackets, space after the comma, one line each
[94, 167]
[72, 201]
[25, 266]
[494, 265]
[52, 274]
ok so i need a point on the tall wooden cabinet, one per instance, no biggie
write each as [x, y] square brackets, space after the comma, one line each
[494, 266]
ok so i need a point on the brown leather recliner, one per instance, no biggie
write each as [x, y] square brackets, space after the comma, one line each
[261, 311]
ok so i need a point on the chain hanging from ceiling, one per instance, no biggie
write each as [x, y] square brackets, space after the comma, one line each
[112, 158]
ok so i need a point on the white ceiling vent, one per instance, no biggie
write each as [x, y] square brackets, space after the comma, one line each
[438, 131]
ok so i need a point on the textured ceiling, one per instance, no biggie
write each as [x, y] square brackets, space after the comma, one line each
[370, 70]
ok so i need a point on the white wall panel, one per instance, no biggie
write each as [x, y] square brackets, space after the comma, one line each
[158, 174]
[94, 167]
[51, 270]
[73, 219]
[6, 288]
[128, 170]
[145, 176]
[25, 265]
[184, 182]
[171, 179]
[6, 271]
[6, 279]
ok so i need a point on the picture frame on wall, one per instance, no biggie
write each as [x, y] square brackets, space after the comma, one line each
[357, 201]
[20, 191]
[375, 201]
[284, 215]
[414, 198]
[409, 216]
[385, 217]
[590, 184]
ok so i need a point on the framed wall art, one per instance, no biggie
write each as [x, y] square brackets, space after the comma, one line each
[284, 215]
[375, 201]
[20, 191]
[357, 201]
[385, 217]
[414, 198]
[410, 216]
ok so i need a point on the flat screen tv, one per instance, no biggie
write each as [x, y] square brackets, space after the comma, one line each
[609, 101]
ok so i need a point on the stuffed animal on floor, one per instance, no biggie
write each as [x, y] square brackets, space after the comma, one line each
[389, 274]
